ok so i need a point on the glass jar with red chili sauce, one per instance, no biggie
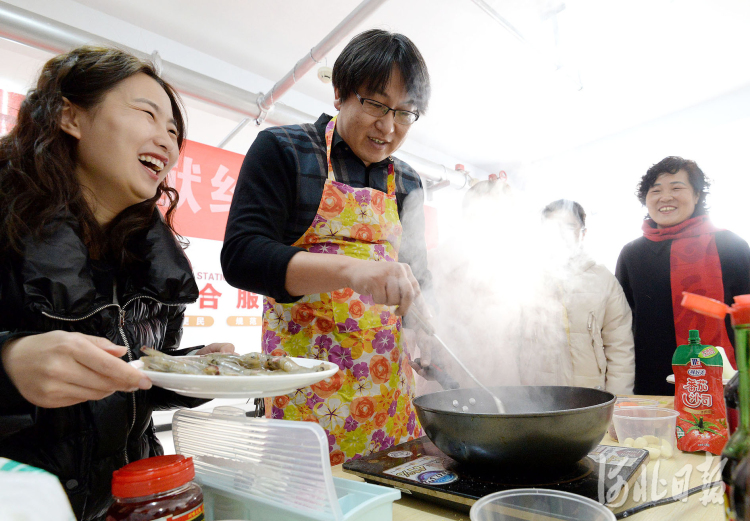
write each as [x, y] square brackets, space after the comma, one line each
[156, 488]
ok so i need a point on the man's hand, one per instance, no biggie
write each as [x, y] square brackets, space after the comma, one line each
[389, 283]
[59, 368]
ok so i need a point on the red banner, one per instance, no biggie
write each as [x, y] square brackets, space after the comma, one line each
[205, 176]
[10, 102]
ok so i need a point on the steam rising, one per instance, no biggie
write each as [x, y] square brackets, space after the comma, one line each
[498, 289]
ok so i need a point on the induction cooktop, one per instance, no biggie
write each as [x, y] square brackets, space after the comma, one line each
[420, 469]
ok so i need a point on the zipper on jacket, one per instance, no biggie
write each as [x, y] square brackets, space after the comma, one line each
[97, 310]
[121, 330]
[590, 327]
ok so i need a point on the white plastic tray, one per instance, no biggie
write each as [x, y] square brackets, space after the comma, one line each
[266, 470]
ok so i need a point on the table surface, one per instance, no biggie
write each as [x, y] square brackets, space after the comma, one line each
[663, 478]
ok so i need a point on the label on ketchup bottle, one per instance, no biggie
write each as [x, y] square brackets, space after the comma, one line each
[699, 397]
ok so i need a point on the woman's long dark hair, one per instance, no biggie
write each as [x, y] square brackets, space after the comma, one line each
[38, 183]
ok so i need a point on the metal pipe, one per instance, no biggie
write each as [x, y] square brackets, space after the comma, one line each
[317, 53]
[50, 35]
[26, 27]
[484, 6]
[234, 132]
[434, 171]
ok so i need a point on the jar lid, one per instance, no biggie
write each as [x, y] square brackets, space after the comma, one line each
[152, 476]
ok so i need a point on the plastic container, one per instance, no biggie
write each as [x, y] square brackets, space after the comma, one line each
[156, 488]
[639, 422]
[266, 470]
[627, 401]
[358, 501]
[536, 504]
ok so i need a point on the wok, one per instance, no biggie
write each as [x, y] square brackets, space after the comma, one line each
[543, 426]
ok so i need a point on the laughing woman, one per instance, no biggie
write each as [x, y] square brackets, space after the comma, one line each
[89, 269]
[680, 251]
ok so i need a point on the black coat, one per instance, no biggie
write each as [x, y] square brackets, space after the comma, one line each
[54, 285]
[643, 270]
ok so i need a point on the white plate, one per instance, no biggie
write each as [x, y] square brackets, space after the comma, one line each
[670, 379]
[208, 386]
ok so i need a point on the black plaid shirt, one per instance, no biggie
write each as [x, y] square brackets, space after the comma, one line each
[277, 196]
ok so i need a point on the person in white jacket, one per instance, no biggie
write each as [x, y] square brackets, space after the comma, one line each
[595, 316]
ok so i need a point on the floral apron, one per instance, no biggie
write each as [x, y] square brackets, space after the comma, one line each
[367, 406]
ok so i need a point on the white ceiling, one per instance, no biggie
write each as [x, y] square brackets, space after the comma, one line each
[495, 102]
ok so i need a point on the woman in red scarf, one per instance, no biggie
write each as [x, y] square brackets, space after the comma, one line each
[680, 251]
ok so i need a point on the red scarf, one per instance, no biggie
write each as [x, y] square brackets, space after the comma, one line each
[694, 267]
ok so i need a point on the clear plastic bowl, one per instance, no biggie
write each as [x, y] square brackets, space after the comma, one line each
[536, 504]
[626, 401]
[637, 422]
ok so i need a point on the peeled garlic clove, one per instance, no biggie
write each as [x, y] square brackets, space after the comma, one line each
[628, 442]
[666, 449]
[640, 443]
[652, 440]
[655, 453]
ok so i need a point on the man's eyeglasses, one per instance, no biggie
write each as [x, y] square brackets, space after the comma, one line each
[377, 109]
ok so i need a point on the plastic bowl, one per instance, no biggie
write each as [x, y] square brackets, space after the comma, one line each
[625, 401]
[536, 504]
[637, 422]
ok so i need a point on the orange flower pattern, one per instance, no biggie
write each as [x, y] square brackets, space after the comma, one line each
[356, 309]
[366, 406]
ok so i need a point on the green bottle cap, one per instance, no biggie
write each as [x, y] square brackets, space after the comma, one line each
[694, 336]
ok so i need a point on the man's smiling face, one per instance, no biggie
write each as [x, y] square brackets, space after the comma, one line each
[371, 138]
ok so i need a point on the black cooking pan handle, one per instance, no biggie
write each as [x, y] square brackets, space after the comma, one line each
[435, 372]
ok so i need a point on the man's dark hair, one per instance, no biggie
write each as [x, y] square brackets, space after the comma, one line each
[672, 165]
[368, 60]
[567, 206]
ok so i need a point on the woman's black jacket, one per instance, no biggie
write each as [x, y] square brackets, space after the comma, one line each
[54, 285]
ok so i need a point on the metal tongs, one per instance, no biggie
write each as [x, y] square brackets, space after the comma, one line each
[425, 324]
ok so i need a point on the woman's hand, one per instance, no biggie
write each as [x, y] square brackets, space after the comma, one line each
[58, 368]
[389, 283]
[220, 347]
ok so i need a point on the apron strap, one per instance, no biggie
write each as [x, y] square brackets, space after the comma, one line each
[329, 141]
[390, 183]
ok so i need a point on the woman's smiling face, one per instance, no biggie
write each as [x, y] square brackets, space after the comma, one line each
[126, 145]
[672, 199]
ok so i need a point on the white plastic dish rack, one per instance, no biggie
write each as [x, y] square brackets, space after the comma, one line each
[261, 470]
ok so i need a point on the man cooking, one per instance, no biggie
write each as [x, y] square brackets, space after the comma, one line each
[319, 224]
